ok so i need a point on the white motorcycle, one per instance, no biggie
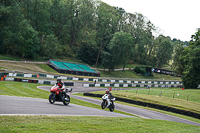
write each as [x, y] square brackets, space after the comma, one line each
[108, 103]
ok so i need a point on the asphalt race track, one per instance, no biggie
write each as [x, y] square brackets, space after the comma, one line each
[144, 113]
[12, 105]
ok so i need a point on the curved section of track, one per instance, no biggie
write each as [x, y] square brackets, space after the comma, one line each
[144, 113]
[12, 105]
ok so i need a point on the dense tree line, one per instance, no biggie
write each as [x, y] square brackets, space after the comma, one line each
[187, 61]
[89, 30]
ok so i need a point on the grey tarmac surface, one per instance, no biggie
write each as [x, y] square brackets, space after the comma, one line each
[144, 113]
[12, 105]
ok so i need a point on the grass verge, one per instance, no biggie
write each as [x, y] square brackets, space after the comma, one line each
[9, 57]
[22, 89]
[79, 124]
[175, 93]
[21, 66]
[130, 74]
[47, 68]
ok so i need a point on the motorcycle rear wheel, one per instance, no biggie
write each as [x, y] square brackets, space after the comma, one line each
[67, 100]
[112, 108]
[52, 98]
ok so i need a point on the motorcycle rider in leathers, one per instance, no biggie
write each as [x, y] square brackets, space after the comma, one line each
[109, 97]
[61, 85]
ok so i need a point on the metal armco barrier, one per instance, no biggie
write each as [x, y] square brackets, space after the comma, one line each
[26, 80]
[162, 82]
[37, 81]
[130, 85]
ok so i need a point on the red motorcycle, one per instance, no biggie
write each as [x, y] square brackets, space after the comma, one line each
[60, 95]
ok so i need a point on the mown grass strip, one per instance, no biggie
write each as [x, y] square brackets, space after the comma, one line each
[80, 124]
[47, 68]
[22, 89]
[176, 93]
[130, 74]
[22, 66]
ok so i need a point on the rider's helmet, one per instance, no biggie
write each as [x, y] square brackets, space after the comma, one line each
[108, 90]
[58, 80]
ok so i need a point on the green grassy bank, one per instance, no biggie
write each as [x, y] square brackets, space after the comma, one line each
[82, 124]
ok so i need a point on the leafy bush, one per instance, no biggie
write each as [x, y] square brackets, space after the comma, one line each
[139, 70]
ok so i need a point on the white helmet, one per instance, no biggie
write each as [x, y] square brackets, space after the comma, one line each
[58, 79]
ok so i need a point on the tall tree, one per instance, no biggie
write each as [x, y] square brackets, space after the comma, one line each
[60, 20]
[142, 30]
[106, 26]
[107, 60]
[164, 51]
[178, 65]
[120, 48]
[37, 13]
[49, 47]
[191, 57]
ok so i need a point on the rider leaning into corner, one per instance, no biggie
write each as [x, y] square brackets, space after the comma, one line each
[110, 96]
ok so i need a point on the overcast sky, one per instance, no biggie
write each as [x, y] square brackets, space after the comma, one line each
[176, 18]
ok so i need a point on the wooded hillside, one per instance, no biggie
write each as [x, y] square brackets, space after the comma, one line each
[89, 30]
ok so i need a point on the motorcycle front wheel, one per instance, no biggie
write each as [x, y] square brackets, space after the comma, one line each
[52, 98]
[66, 100]
[104, 104]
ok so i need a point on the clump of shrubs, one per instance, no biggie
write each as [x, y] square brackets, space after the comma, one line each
[138, 70]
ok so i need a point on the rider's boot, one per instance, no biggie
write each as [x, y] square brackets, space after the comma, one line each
[63, 97]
